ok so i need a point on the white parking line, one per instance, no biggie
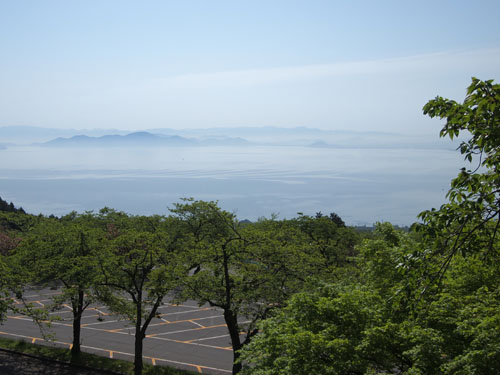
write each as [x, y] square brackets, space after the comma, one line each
[209, 338]
[188, 311]
[183, 321]
[189, 343]
[185, 330]
[197, 324]
[42, 295]
[122, 353]
[94, 324]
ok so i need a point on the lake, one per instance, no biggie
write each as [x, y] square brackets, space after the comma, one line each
[362, 185]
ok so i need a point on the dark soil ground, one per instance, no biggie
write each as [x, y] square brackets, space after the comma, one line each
[17, 364]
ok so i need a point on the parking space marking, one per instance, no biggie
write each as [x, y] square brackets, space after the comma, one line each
[106, 330]
[187, 311]
[106, 322]
[59, 312]
[168, 322]
[45, 294]
[164, 319]
[228, 348]
[185, 320]
[99, 311]
[33, 339]
[207, 338]
[197, 367]
[197, 324]
[39, 301]
[177, 305]
[185, 330]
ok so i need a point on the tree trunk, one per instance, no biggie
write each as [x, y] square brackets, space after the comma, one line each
[138, 353]
[234, 333]
[75, 348]
[138, 339]
[77, 320]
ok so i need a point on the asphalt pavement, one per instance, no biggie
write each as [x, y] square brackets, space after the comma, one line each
[184, 336]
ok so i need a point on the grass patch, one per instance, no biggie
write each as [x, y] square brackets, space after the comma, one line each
[87, 359]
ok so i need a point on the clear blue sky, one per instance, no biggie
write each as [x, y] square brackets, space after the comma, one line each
[360, 65]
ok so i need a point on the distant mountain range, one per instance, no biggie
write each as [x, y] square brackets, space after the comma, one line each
[29, 134]
[141, 139]
[235, 136]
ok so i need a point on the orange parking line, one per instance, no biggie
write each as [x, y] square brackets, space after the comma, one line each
[186, 330]
[99, 311]
[192, 343]
[183, 321]
[186, 312]
[198, 367]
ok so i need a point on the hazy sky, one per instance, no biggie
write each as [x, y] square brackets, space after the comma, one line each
[360, 65]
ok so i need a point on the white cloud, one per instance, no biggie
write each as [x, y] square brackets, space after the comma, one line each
[433, 63]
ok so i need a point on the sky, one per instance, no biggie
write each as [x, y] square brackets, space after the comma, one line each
[133, 65]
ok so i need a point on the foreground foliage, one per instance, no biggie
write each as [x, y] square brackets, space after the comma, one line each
[379, 325]
[425, 302]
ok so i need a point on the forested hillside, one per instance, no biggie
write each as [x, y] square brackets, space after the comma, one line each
[9, 207]
[318, 297]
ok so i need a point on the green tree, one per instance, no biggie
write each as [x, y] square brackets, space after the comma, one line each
[137, 264]
[469, 222]
[63, 252]
[245, 270]
[331, 239]
[318, 332]
[427, 301]
[13, 227]
[5, 300]
[355, 325]
[9, 207]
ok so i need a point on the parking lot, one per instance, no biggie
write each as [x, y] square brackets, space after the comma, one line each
[185, 336]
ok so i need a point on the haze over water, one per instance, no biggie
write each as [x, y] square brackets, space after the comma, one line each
[363, 185]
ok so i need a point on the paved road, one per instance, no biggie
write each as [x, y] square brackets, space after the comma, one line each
[184, 336]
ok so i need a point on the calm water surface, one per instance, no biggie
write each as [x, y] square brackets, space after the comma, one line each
[361, 185]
